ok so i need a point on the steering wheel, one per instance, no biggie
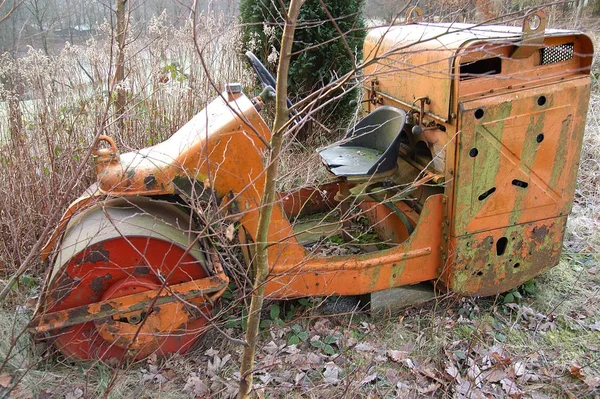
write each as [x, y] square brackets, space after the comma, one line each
[267, 79]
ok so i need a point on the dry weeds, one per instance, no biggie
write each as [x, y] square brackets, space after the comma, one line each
[546, 346]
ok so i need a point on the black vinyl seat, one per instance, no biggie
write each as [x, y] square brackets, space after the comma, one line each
[370, 147]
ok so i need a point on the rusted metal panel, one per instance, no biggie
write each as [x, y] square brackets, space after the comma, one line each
[404, 63]
[498, 260]
[126, 304]
[518, 156]
[417, 259]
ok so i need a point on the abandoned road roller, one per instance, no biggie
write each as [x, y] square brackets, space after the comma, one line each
[464, 166]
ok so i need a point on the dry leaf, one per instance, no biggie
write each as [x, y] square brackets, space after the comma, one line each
[475, 375]
[466, 390]
[402, 389]
[152, 359]
[230, 232]
[592, 382]
[75, 394]
[576, 370]
[510, 387]
[368, 379]
[452, 371]
[265, 378]
[211, 352]
[270, 348]
[519, 368]
[331, 373]
[194, 385]
[364, 347]
[217, 363]
[169, 374]
[429, 388]
[397, 356]
[5, 380]
[496, 375]
[299, 377]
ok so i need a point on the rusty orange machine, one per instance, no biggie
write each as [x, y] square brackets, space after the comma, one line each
[465, 165]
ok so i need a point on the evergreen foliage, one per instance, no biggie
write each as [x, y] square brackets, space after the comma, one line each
[320, 57]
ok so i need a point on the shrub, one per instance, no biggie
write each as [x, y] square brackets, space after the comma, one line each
[311, 67]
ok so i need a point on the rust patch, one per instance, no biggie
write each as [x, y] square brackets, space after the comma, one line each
[141, 271]
[77, 313]
[94, 256]
[540, 233]
[98, 283]
[106, 308]
[150, 182]
[130, 173]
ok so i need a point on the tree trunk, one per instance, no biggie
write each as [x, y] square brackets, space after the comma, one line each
[579, 12]
[261, 260]
[121, 35]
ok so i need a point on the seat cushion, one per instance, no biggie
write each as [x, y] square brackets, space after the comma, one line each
[349, 160]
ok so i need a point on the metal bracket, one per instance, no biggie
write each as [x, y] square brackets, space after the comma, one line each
[127, 304]
[534, 26]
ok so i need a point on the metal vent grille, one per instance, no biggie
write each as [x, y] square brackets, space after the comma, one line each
[559, 53]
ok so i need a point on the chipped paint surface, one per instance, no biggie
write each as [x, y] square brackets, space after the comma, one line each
[531, 249]
[519, 185]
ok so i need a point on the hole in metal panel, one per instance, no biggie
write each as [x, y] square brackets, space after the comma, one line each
[501, 246]
[487, 193]
[558, 53]
[520, 183]
[473, 153]
[541, 100]
[516, 265]
[479, 114]
[539, 138]
[480, 68]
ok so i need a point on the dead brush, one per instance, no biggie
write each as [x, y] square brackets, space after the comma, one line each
[63, 104]
[584, 224]
[52, 108]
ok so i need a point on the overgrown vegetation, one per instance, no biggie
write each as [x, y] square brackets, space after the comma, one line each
[542, 342]
[319, 54]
